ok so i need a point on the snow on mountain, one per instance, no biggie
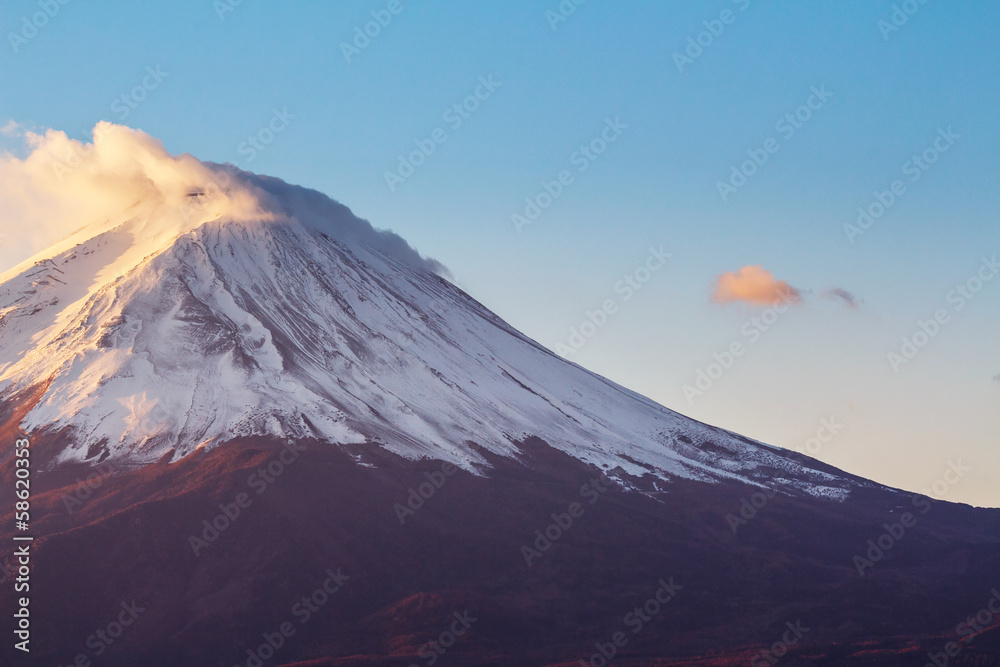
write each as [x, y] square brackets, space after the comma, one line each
[232, 304]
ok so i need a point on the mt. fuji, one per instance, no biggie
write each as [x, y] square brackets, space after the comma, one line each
[203, 313]
[269, 433]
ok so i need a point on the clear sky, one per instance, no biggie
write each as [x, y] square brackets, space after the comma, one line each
[833, 101]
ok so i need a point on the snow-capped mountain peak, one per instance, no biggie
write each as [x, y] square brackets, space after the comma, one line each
[225, 304]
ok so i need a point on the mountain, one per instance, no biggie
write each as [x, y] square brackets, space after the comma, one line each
[176, 327]
[264, 432]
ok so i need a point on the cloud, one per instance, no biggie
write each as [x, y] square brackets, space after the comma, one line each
[842, 295]
[996, 378]
[61, 185]
[10, 129]
[753, 284]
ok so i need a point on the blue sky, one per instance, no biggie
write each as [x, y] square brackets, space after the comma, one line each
[681, 130]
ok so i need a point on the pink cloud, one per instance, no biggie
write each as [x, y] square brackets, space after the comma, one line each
[753, 284]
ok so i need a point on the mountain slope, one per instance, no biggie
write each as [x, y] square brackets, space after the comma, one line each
[179, 326]
[128, 537]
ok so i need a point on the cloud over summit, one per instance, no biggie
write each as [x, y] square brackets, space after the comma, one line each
[61, 185]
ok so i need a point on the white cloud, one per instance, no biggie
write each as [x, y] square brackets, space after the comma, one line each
[63, 184]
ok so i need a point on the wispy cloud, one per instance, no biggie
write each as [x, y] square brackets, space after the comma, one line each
[842, 295]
